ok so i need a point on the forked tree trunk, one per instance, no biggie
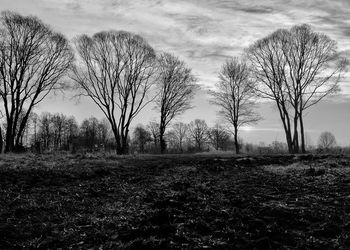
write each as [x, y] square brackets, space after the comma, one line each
[296, 136]
[286, 126]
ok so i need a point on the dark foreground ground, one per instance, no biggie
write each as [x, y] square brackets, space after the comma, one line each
[174, 202]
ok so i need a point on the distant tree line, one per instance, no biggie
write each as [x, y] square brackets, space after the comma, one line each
[56, 132]
[50, 132]
[181, 138]
[121, 73]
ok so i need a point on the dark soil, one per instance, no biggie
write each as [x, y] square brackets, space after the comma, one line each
[174, 202]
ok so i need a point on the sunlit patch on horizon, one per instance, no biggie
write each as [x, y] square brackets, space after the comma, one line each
[247, 128]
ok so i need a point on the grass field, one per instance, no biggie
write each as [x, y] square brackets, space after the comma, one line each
[174, 202]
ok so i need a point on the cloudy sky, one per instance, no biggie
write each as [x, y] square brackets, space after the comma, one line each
[204, 33]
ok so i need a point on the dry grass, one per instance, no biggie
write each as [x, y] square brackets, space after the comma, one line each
[174, 202]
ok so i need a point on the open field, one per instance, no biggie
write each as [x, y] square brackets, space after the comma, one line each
[174, 202]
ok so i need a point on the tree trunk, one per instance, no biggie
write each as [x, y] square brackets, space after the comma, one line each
[302, 134]
[288, 139]
[117, 141]
[162, 127]
[1, 141]
[161, 138]
[9, 146]
[21, 130]
[122, 147]
[198, 145]
[162, 145]
[124, 144]
[119, 147]
[286, 126]
[236, 140]
[296, 135]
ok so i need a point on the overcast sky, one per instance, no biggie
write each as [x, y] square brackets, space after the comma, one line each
[204, 33]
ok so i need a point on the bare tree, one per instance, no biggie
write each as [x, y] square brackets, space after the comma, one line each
[198, 132]
[269, 68]
[314, 68]
[45, 131]
[218, 137]
[33, 60]
[115, 70]
[176, 86]
[35, 121]
[171, 141]
[296, 68]
[235, 94]
[89, 132]
[141, 137]
[58, 122]
[103, 130]
[71, 132]
[52, 131]
[153, 128]
[180, 131]
[326, 141]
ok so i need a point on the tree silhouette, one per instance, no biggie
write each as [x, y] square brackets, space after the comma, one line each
[33, 61]
[180, 131]
[326, 141]
[296, 69]
[198, 132]
[176, 86]
[115, 70]
[234, 94]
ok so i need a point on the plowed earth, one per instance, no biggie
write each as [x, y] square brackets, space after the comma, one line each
[174, 202]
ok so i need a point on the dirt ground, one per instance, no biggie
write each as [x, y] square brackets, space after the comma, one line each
[174, 202]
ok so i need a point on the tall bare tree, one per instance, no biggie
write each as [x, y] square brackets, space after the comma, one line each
[58, 122]
[45, 131]
[103, 130]
[141, 137]
[314, 68]
[296, 69]
[218, 137]
[153, 128]
[89, 132]
[33, 60]
[115, 70]
[235, 95]
[269, 66]
[176, 85]
[180, 131]
[71, 132]
[198, 132]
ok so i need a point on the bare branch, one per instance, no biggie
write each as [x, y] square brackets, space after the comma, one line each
[115, 69]
[235, 95]
[176, 86]
[33, 61]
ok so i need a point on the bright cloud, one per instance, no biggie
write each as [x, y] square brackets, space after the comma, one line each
[201, 32]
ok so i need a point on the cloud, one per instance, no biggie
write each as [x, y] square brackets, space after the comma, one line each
[203, 33]
[257, 10]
